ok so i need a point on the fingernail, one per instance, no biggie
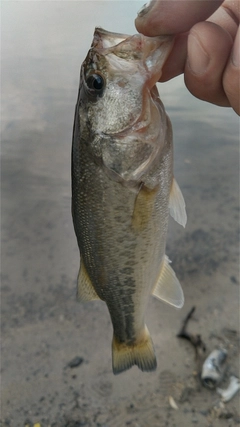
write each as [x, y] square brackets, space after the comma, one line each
[145, 9]
[198, 59]
[236, 52]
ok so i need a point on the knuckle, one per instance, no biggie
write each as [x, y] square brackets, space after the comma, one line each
[207, 89]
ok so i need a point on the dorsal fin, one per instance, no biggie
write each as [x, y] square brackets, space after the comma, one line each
[85, 289]
[177, 204]
[168, 288]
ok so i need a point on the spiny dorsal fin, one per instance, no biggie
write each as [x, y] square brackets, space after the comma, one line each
[177, 204]
[168, 288]
[85, 289]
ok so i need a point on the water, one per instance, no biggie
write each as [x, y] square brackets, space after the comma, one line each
[43, 45]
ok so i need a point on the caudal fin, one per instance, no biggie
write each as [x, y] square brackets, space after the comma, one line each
[140, 353]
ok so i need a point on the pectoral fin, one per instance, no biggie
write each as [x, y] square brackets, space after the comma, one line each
[168, 288]
[177, 204]
[143, 207]
[85, 289]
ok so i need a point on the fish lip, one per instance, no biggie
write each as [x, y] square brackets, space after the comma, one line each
[103, 32]
[100, 34]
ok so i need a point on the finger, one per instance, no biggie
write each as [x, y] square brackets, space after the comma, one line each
[231, 76]
[175, 63]
[208, 51]
[227, 17]
[175, 16]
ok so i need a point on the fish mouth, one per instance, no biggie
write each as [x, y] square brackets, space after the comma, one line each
[116, 42]
[153, 51]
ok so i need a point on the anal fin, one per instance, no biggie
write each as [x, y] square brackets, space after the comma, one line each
[168, 288]
[85, 289]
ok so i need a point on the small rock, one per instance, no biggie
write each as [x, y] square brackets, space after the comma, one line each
[204, 412]
[77, 361]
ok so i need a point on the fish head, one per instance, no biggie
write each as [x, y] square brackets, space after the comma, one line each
[119, 102]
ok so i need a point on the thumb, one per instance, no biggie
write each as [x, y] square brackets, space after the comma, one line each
[160, 17]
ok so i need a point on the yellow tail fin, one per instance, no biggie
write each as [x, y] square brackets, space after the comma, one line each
[141, 353]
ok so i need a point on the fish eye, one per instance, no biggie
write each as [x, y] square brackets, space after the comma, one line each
[96, 82]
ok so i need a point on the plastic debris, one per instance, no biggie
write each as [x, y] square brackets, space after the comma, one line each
[172, 403]
[228, 393]
[213, 369]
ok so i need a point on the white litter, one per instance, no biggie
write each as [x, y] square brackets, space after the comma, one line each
[172, 403]
[228, 393]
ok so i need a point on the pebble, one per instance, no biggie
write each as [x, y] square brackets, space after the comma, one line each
[77, 361]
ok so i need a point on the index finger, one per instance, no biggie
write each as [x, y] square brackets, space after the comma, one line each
[161, 17]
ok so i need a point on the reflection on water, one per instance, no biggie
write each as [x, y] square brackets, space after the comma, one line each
[43, 45]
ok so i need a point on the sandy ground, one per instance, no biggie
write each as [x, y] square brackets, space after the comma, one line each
[44, 328]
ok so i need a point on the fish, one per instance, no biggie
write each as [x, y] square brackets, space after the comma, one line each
[123, 188]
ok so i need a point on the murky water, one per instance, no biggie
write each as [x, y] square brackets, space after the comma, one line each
[43, 45]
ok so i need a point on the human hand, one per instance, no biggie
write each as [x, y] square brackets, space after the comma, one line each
[206, 47]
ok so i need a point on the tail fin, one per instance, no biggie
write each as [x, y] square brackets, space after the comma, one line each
[140, 353]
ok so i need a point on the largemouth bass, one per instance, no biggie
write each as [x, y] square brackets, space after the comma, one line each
[123, 188]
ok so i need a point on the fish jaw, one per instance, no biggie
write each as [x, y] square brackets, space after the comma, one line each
[153, 51]
[103, 39]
